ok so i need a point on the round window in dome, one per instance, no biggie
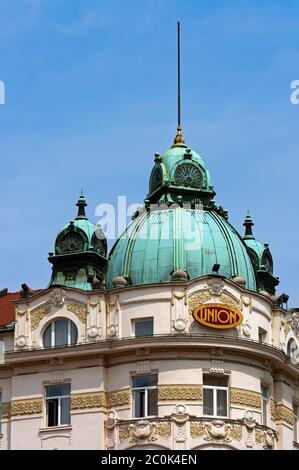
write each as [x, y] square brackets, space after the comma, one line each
[70, 242]
[188, 175]
[62, 332]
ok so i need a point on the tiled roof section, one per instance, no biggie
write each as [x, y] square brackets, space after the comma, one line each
[7, 308]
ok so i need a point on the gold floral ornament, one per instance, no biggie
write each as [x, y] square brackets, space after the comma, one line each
[37, 315]
[198, 298]
[180, 393]
[79, 310]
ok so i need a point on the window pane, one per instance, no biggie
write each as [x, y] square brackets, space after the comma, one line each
[52, 412]
[144, 328]
[58, 390]
[47, 337]
[145, 381]
[74, 333]
[208, 401]
[214, 380]
[152, 402]
[139, 403]
[221, 402]
[61, 332]
[265, 393]
[65, 410]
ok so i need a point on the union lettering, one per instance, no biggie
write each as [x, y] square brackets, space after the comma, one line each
[217, 316]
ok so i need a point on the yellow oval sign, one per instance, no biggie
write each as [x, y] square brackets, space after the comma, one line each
[217, 316]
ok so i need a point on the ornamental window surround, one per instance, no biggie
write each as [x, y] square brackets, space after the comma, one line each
[265, 404]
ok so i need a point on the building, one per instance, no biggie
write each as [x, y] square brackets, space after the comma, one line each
[176, 340]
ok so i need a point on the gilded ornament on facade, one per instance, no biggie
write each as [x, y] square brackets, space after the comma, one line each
[38, 314]
[197, 298]
[32, 406]
[243, 397]
[229, 300]
[180, 393]
[6, 410]
[259, 437]
[236, 432]
[197, 429]
[89, 400]
[217, 429]
[79, 310]
[164, 429]
[118, 398]
[283, 413]
[123, 433]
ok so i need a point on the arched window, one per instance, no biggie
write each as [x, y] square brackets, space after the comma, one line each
[291, 348]
[60, 332]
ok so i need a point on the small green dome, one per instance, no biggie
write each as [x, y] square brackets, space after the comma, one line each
[157, 243]
[80, 253]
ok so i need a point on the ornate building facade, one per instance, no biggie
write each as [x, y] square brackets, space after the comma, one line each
[176, 340]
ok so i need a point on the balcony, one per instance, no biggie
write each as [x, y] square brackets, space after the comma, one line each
[181, 431]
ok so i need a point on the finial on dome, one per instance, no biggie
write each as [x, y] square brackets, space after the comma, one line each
[248, 224]
[179, 139]
[81, 204]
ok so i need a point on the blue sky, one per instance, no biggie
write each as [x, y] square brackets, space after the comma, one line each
[91, 96]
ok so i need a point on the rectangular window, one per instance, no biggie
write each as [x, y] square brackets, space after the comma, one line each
[262, 335]
[264, 405]
[145, 396]
[144, 327]
[215, 396]
[295, 414]
[58, 401]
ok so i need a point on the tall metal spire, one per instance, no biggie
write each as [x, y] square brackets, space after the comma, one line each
[179, 139]
[81, 204]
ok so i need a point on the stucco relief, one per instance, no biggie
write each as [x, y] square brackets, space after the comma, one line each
[142, 430]
[37, 314]
[283, 413]
[32, 406]
[89, 400]
[243, 397]
[78, 309]
[118, 398]
[180, 393]
[216, 430]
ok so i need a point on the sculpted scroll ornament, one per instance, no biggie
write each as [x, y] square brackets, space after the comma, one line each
[38, 314]
[143, 430]
[80, 310]
[215, 286]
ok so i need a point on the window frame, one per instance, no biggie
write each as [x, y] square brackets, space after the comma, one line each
[215, 388]
[59, 398]
[265, 405]
[139, 320]
[150, 387]
[53, 333]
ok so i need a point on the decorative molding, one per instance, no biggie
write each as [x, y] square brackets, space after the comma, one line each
[80, 401]
[143, 366]
[142, 430]
[217, 366]
[197, 429]
[237, 433]
[215, 286]
[259, 437]
[6, 410]
[283, 413]
[123, 433]
[180, 392]
[78, 309]
[164, 429]
[179, 296]
[118, 398]
[246, 398]
[229, 299]
[38, 314]
[197, 298]
[146, 301]
[33, 406]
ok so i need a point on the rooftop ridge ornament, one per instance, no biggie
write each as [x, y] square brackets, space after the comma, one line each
[248, 224]
[179, 139]
[81, 204]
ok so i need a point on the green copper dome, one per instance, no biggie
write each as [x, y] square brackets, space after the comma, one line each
[80, 253]
[160, 242]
